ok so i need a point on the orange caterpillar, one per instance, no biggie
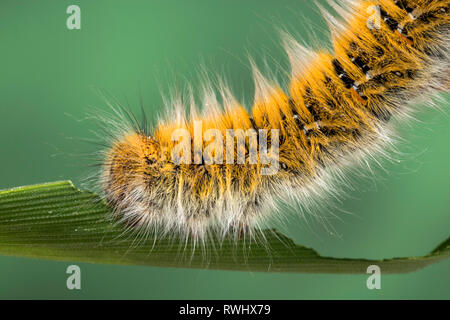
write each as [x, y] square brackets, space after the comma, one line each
[336, 111]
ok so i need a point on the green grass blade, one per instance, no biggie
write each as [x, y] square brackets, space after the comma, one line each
[60, 222]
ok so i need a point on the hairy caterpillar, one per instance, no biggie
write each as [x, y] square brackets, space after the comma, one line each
[335, 112]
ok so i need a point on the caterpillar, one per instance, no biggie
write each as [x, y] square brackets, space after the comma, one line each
[336, 111]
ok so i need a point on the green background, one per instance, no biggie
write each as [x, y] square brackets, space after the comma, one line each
[47, 76]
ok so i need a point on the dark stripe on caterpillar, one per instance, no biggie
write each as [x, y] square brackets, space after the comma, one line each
[360, 63]
[402, 5]
[342, 74]
[349, 82]
[395, 26]
[391, 23]
[310, 104]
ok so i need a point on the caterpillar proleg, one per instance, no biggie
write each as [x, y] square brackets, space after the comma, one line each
[336, 111]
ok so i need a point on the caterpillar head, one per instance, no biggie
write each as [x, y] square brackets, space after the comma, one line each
[133, 175]
[143, 186]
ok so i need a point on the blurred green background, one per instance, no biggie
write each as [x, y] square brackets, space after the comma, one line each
[47, 76]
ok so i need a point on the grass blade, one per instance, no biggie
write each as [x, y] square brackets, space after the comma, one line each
[60, 222]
